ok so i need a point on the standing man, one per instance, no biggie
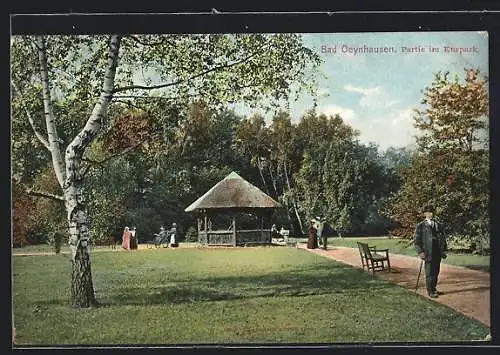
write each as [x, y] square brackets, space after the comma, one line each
[431, 247]
[319, 224]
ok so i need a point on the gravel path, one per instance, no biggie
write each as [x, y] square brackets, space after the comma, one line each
[465, 290]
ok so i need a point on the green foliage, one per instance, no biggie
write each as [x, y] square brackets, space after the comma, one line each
[46, 216]
[191, 235]
[345, 182]
[57, 240]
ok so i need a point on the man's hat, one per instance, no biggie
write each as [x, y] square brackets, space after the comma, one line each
[428, 208]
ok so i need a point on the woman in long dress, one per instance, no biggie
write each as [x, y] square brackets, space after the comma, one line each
[173, 235]
[126, 239]
[133, 239]
[312, 239]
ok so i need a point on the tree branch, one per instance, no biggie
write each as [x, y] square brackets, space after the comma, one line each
[40, 137]
[112, 156]
[117, 97]
[163, 41]
[30, 191]
[128, 103]
[123, 152]
[180, 81]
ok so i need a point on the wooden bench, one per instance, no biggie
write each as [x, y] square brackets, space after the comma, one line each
[371, 259]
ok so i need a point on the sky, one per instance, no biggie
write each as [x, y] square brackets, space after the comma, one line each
[376, 93]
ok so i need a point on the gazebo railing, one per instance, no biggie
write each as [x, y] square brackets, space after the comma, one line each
[253, 236]
[216, 237]
[243, 236]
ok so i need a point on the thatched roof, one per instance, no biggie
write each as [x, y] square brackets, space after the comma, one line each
[233, 192]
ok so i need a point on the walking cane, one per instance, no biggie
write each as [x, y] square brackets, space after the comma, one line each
[419, 272]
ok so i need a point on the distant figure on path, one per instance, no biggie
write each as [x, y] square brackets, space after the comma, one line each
[322, 237]
[431, 247]
[133, 239]
[160, 237]
[173, 235]
[284, 233]
[274, 231]
[116, 238]
[126, 239]
[312, 239]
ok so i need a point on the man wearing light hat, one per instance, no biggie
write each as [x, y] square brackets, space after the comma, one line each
[319, 224]
[431, 247]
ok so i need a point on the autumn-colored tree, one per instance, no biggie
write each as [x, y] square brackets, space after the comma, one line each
[450, 168]
[22, 207]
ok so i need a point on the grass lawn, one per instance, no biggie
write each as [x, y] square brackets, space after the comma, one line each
[405, 247]
[241, 295]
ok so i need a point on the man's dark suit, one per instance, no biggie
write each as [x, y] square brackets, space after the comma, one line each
[431, 241]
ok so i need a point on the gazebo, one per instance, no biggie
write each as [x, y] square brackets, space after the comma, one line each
[224, 210]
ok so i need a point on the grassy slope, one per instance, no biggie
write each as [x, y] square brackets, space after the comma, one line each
[243, 295]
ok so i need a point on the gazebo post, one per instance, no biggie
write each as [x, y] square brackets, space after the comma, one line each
[205, 228]
[199, 228]
[234, 230]
[261, 227]
[269, 220]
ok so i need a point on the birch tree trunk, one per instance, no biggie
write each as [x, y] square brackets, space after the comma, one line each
[259, 166]
[294, 203]
[70, 173]
[273, 179]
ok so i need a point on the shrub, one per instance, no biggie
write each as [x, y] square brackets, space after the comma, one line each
[191, 235]
[57, 240]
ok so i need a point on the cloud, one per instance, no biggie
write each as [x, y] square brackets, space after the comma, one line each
[403, 116]
[369, 91]
[346, 113]
[323, 92]
[373, 98]
[393, 129]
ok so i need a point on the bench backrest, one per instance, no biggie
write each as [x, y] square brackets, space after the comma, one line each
[361, 251]
[365, 250]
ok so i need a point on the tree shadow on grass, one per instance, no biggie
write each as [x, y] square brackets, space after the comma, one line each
[478, 288]
[324, 278]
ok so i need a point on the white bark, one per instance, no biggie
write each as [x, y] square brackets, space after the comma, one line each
[294, 203]
[50, 120]
[73, 188]
[273, 179]
[259, 166]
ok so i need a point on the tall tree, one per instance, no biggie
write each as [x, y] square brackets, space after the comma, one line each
[82, 75]
[317, 136]
[450, 168]
[281, 137]
[252, 138]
